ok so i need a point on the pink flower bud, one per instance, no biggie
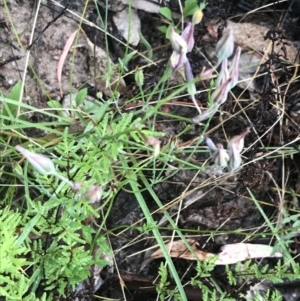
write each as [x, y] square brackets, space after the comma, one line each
[225, 45]
[93, 193]
[41, 163]
[235, 159]
[181, 45]
[206, 74]
[235, 146]
[188, 36]
[223, 74]
[234, 69]
[238, 141]
[221, 156]
[220, 94]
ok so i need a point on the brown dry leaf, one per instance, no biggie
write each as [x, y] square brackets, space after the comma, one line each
[63, 57]
[251, 36]
[180, 250]
[230, 254]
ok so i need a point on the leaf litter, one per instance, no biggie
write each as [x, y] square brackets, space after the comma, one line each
[230, 253]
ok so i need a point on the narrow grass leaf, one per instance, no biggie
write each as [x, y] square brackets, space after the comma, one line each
[27, 229]
[134, 185]
[147, 45]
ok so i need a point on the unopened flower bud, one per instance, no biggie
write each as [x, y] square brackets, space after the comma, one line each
[93, 193]
[41, 163]
[235, 146]
[235, 159]
[234, 69]
[212, 147]
[220, 94]
[188, 36]
[223, 74]
[178, 43]
[221, 156]
[225, 45]
[238, 141]
[189, 77]
[197, 16]
[139, 77]
[206, 74]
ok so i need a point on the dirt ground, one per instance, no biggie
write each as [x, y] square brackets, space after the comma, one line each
[223, 203]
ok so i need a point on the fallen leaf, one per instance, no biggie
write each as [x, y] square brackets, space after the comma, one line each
[234, 253]
[230, 254]
[63, 57]
[178, 249]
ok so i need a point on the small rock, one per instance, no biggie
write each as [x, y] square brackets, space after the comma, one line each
[146, 5]
[129, 31]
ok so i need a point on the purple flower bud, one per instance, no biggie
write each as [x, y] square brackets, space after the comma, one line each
[188, 36]
[212, 147]
[235, 146]
[225, 45]
[234, 69]
[223, 74]
[191, 84]
[238, 141]
[181, 45]
[41, 163]
[220, 94]
[189, 77]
